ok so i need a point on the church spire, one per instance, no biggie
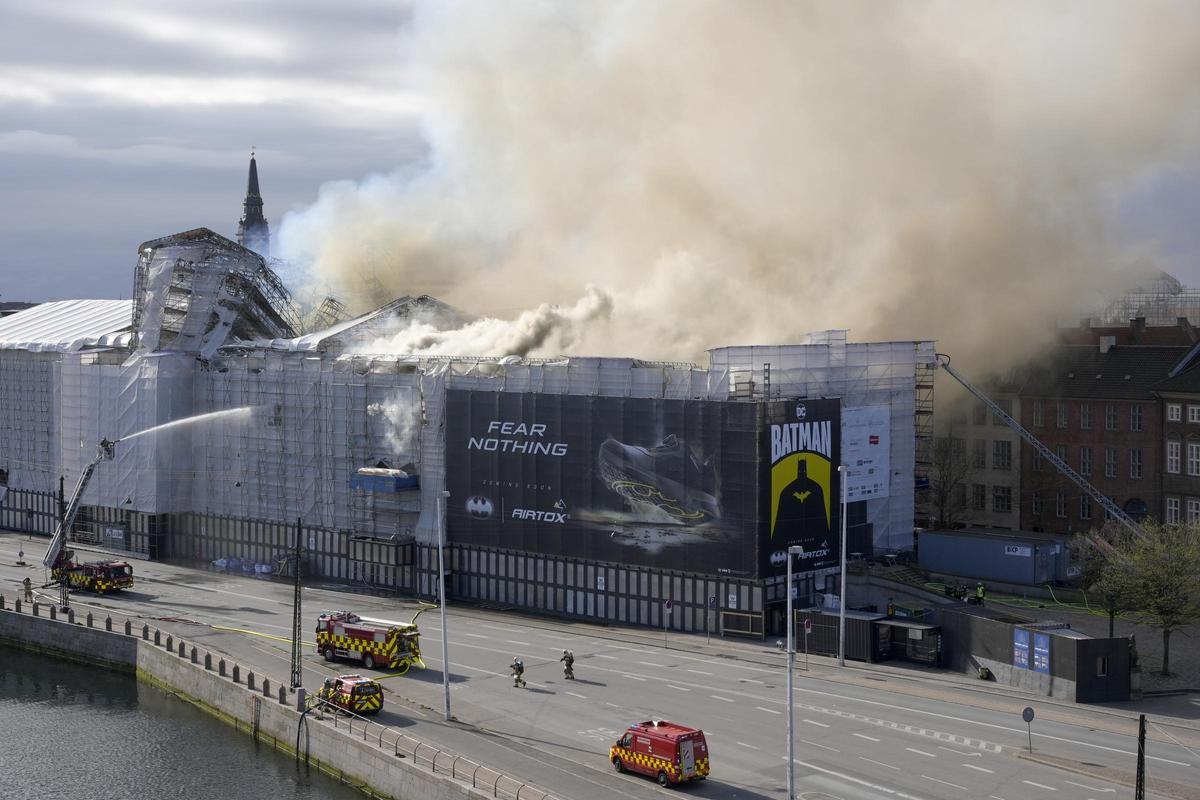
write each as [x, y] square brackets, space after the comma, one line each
[253, 233]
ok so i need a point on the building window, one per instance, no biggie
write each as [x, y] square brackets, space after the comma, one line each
[1001, 455]
[1060, 450]
[1193, 413]
[1039, 413]
[979, 454]
[1172, 510]
[960, 495]
[1175, 412]
[1085, 507]
[1135, 417]
[1085, 460]
[1135, 462]
[1110, 417]
[1110, 462]
[1101, 666]
[1085, 417]
[1060, 505]
[1193, 510]
[978, 497]
[1036, 503]
[1062, 414]
[980, 414]
[1006, 406]
[1037, 461]
[1173, 449]
[1002, 499]
[1193, 456]
[1108, 514]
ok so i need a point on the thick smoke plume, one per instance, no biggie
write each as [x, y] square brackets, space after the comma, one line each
[745, 172]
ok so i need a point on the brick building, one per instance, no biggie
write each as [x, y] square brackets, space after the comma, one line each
[1097, 408]
[1179, 397]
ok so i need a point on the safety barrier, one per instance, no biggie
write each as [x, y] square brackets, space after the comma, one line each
[400, 745]
[742, 623]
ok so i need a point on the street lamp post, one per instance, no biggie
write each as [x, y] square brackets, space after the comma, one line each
[842, 598]
[793, 551]
[441, 526]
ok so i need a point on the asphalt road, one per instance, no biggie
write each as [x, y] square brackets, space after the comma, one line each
[851, 742]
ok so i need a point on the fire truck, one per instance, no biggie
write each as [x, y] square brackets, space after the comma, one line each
[670, 752]
[97, 576]
[355, 693]
[371, 642]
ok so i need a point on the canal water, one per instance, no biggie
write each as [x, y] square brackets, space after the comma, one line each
[72, 731]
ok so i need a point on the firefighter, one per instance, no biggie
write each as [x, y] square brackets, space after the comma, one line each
[979, 592]
[568, 662]
[518, 672]
[28, 584]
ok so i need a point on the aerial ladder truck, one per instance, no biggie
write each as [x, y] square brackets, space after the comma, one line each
[97, 576]
[1111, 509]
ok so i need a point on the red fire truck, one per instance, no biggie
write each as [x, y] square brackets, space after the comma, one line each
[353, 693]
[96, 576]
[372, 642]
[670, 752]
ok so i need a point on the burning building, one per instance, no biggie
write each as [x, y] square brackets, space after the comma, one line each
[590, 487]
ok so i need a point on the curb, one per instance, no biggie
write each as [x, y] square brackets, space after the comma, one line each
[1170, 789]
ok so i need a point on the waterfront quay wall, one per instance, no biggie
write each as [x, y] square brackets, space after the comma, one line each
[380, 761]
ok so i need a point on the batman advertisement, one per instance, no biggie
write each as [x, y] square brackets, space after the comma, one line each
[801, 448]
[673, 484]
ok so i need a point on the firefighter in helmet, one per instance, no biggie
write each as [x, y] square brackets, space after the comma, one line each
[979, 593]
[28, 584]
[568, 662]
[518, 673]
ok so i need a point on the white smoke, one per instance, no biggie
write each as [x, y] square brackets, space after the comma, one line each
[402, 417]
[747, 172]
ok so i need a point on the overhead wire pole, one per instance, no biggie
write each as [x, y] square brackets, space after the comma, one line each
[297, 678]
[441, 526]
[842, 597]
[792, 552]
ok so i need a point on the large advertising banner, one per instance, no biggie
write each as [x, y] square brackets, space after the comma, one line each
[801, 452]
[673, 484]
[866, 450]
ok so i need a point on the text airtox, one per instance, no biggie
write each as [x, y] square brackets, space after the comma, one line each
[801, 437]
[540, 516]
[516, 437]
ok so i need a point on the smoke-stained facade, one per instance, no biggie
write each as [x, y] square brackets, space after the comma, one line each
[719, 488]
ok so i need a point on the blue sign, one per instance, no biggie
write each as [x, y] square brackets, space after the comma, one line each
[1020, 648]
[1041, 653]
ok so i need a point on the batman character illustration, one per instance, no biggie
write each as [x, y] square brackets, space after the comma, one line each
[802, 512]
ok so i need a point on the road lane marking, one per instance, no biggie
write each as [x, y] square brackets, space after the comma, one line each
[652, 664]
[920, 752]
[750, 680]
[960, 752]
[576, 694]
[610, 658]
[722, 699]
[982, 769]
[523, 644]
[767, 710]
[816, 744]
[700, 672]
[630, 649]
[743, 744]
[880, 763]
[680, 688]
[948, 783]
[475, 635]
[995, 797]
[633, 678]
[1041, 786]
[873, 786]
[1089, 788]
[814, 722]
[864, 736]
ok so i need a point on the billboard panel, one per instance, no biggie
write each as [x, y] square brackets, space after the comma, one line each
[673, 484]
[866, 448]
[801, 454]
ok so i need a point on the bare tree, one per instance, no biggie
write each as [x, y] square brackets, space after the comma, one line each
[949, 471]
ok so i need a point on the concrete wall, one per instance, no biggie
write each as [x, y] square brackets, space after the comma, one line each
[379, 760]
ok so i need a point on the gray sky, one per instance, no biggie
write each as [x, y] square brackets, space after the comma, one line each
[129, 119]
[126, 120]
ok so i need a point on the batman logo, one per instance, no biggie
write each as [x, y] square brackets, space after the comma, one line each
[479, 507]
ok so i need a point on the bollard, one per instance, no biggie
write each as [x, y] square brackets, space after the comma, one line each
[181, 648]
[89, 619]
[1, 602]
[282, 696]
[128, 628]
[208, 661]
[250, 680]
[146, 633]
[221, 668]
[17, 606]
[71, 616]
[53, 612]
[194, 654]
[301, 698]
[237, 674]
[170, 642]
[266, 688]
[157, 637]
[35, 609]
[108, 623]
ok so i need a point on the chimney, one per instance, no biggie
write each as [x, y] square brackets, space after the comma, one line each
[1187, 329]
[1107, 343]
